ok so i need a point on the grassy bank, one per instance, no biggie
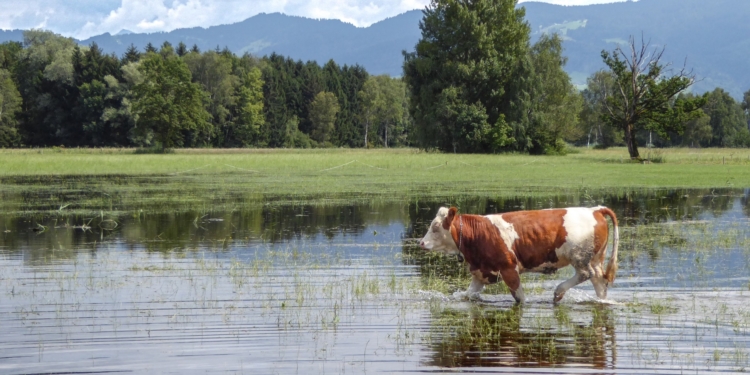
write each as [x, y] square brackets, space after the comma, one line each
[342, 170]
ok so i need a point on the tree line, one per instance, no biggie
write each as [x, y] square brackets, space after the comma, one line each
[474, 83]
[54, 92]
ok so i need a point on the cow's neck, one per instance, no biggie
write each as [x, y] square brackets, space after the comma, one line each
[457, 232]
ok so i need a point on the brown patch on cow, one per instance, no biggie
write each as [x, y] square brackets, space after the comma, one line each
[601, 233]
[540, 233]
[482, 247]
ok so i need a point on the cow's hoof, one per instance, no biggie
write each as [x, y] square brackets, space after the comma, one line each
[467, 296]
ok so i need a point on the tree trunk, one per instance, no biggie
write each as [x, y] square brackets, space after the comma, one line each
[632, 145]
[386, 135]
[367, 126]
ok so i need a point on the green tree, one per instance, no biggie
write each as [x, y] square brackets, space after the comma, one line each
[371, 102]
[746, 107]
[97, 77]
[10, 98]
[644, 98]
[131, 55]
[323, 110]
[461, 71]
[10, 105]
[727, 120]
[554, 102]
[598, 132]
[698, 132]
[382, 104]
[235, 90]
[214, 73]
[45, 78]
[181, 49]
[167, 102]
[392, 112]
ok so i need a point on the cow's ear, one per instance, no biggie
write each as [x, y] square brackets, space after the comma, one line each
[449, 218]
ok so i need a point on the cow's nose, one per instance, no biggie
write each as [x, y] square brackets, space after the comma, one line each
[421, 244]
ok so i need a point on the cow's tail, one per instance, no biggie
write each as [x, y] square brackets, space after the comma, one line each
[609, 274]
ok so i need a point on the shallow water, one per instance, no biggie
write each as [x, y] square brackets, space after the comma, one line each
[275, 288]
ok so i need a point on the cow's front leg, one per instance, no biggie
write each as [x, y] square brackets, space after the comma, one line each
[513, 280]
[476, 286]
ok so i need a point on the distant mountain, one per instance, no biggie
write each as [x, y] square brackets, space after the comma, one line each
[377, 48]
[710, 37]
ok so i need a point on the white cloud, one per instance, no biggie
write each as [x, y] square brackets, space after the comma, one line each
[85, 18]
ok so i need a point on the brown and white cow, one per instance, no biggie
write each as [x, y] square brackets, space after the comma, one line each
[503, 246]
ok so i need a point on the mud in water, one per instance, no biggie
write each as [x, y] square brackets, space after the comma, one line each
[296, 288]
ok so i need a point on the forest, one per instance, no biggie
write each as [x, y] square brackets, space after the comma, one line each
[56, 93]
[498, 93]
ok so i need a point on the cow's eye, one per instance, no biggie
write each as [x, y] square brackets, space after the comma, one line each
[435, 229]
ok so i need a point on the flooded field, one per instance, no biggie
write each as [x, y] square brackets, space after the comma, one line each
[278, 286]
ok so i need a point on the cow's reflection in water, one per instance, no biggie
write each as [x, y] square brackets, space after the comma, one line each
[518, 336]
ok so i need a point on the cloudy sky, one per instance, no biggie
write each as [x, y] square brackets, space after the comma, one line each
[85, 18]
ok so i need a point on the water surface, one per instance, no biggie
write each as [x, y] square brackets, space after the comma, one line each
[269, 287]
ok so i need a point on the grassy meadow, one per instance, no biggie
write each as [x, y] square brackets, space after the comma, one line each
[356, 170]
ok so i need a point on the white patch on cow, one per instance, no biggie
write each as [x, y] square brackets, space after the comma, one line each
[507, 232]
[579, 223]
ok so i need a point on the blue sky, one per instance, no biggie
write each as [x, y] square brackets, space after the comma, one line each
[85, 18]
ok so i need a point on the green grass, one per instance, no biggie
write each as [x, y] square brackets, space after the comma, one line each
[370, 168]
[119, 180]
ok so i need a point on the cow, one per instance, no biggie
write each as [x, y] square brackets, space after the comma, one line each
[503, 246]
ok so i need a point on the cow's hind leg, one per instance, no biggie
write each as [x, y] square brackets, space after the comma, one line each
[580, 276]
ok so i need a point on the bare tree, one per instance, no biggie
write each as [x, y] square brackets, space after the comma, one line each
[643, 97]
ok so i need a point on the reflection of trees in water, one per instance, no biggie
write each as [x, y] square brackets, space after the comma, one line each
[161, 228]
[491, 337]
[178, 231]
[47, 238]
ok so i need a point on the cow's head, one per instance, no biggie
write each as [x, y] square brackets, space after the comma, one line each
[438, 237]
